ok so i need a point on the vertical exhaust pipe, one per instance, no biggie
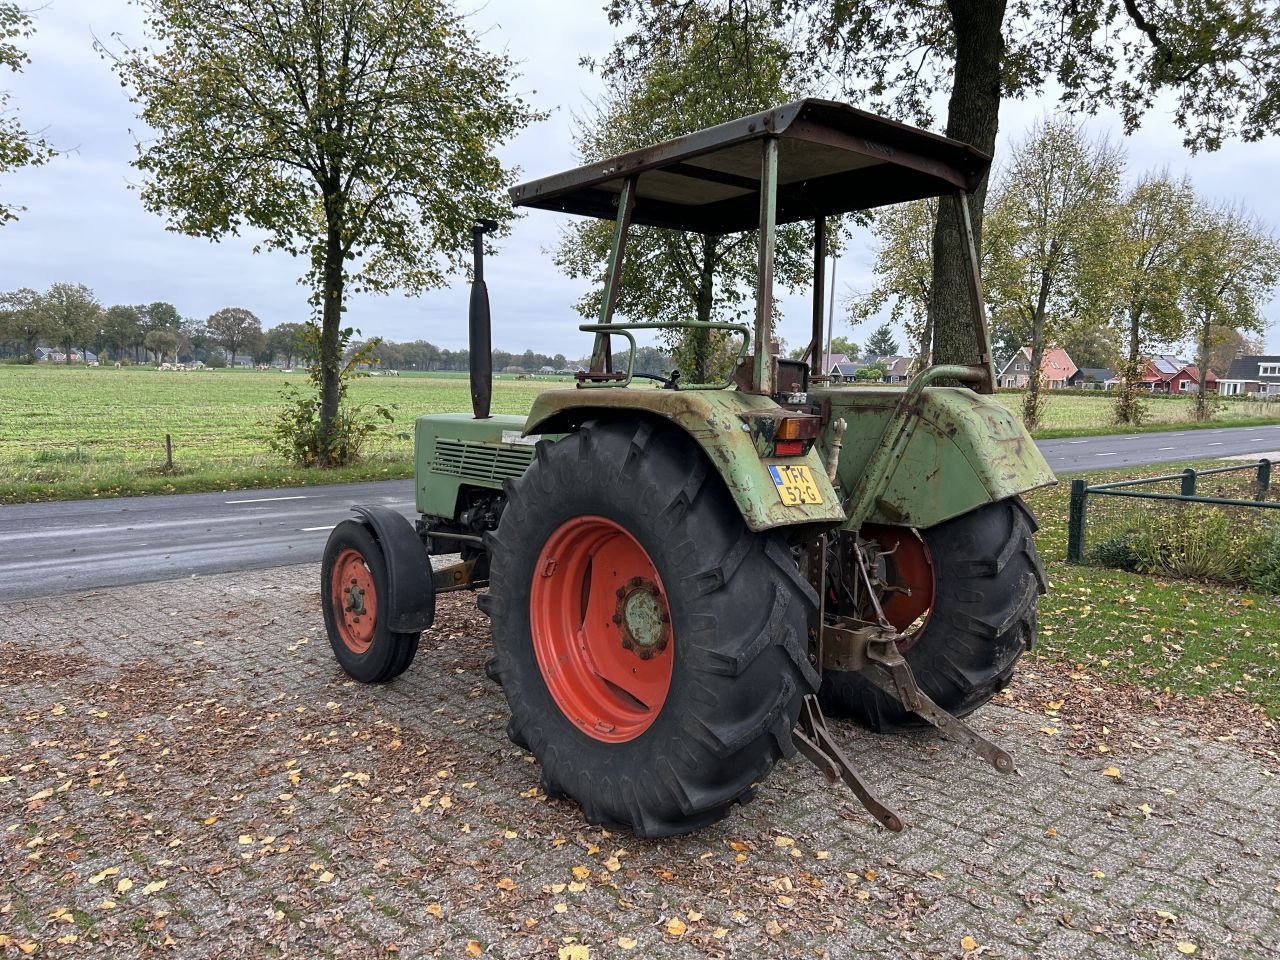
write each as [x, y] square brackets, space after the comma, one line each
[479, 330]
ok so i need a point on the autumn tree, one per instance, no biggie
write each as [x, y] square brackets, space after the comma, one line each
[232, 328]
[19, 147]
[71, 315]
[1233, 267]
[1228, 344]
[359, 136]
[22, 320]
[1048, 236]
[1148, 261]
[283, 340]
[121, 326]
[1217, 63]
[162, 342]
[903, 271]
[707, 77]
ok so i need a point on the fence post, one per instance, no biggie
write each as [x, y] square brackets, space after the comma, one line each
[1264, 478]
[1188, 482]
[168, 452]
[1075, 522]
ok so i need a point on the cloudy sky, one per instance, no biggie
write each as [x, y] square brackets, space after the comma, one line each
[83, 223]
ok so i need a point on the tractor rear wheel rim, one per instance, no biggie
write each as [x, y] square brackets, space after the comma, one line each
[601, 629]
[910, 568]
[355, 601]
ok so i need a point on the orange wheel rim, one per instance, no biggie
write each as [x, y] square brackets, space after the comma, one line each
[601, 629]
[355, 601]
[909, 572]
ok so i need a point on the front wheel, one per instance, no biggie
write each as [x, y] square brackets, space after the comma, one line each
[963, 594]
[353, 591]
[652, 649]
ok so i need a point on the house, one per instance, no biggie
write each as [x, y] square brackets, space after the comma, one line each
[1169, 374]
[833, 361]
[897, 369]
[1056, 368]
[1252, 377]
[1093, 378]
[845, 370]
[50, 355]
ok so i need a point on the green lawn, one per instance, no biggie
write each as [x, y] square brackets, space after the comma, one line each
[1177, 635]
[72, 432]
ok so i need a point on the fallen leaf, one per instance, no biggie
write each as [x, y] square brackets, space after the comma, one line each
[577, 886]
[1145, 808]
[1049, 731]
[581, 872]
[561, 908]
[245, 839]
[937, 874]
[821, 854]
[870, 875]
[1111, 772]
[210, 821]
[773, 928]
[676, 927]
[968, 943]
[1187, 948]
[720, 932]
[325, 877]
[783, 841]
[109, 872]
[124, 886]
[575, 951]
[694, 916]
[474, 948]
[1050, 832]
[738, 845]
[1097, 874]
[155, 886]
[434, 910]
[506, 883]
[628, 943]
[1166, 915]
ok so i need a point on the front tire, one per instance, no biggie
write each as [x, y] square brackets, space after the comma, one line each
[985, 581]
[652, 649]
[353, 591]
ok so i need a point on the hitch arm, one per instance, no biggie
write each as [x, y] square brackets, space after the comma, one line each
[815, 742]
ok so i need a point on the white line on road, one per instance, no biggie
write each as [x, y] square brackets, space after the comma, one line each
[1258, 440]
[1130, 438]
[1216, 443]
[269, 499]
[1112, 454]
[311, 529]
[1077, 441]
[1168, 448]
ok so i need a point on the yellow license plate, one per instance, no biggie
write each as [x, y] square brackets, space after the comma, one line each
[795, 484]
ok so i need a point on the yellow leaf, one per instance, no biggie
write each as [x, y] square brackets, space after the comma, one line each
[1111, 772]
[1187, 948]
[107, 905]
[434, 910]
[785, 901]
[576, 886]
[44, 794]
[557, 888]
[628, 943]
[937, 874]
[1097, 874]
[773, 928]
[510, 834]
[1103, 748]
[968, 943]
[720, 932]
[821, 854]
[738, 845]
[592, 849]
[474, 948]
[109, 872]
[325, 877]
[446, 802]
[783, 841]
[1054, 705]
[612, 865]
[210, 821]
[155, 886]
[69, 938]
[27, 947]
[861, 895]
[124, 886]
[1145, 808]
[1050, 832]
[1166, 915]
[506, 883]
[575, 951]
[870, 875]
[676, 927]
[1049, 731]
[694, 916]
[582, 872]
[245, 839]
[739, 857]
[561, 908]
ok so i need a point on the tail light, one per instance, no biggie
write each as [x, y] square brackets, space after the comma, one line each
[782, 433]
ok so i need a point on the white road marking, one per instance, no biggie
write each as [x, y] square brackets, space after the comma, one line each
[269, 499]
[1167, 448]
[1216, 443]
[1077, 441]
[1258, 440]
[311, 529]
[1130, 438]
[1112, 454]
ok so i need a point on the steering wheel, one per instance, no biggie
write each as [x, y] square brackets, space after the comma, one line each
[668, 383]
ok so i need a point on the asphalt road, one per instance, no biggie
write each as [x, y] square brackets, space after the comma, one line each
[53, 548]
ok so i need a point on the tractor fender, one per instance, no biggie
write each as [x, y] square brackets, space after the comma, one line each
[714, 420]
[959, 451]
[410, 591]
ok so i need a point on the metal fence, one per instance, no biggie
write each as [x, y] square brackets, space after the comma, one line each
[1105, 515]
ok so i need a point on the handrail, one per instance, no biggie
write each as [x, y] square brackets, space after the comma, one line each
[624, 329]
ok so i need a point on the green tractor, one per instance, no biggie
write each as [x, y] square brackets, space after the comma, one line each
[685, 578]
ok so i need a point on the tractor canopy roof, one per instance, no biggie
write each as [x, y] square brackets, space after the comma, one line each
[832, 159]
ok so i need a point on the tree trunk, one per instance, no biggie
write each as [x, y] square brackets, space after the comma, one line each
[702, 339]
[973, 116]
[1202, 362]
[330, 361]
[1127, 407]
[1031, 407]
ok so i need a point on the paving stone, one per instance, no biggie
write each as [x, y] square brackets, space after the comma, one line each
[195, 739]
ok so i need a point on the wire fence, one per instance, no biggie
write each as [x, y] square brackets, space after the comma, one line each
[1219, 524]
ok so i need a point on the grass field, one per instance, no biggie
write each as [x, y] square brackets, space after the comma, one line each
[73, 432]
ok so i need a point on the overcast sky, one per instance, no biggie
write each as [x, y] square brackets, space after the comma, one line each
[83, 224]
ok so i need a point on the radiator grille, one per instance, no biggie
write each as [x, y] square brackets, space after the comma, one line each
[481, 462]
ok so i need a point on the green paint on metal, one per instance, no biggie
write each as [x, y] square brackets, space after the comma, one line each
[1075, 522]
[454, 450]
[762, 375]
[624, 330]
[714, 419]
[959, 451]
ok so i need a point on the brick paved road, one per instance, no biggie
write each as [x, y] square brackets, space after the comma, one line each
[184, 772]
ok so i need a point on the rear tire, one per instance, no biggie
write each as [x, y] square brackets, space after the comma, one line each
[987, 578]
[619, 519]
[353, 591]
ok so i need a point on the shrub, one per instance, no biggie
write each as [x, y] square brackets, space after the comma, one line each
[1116, 552]
[215, 361]
[1261, 561]
[296, 433]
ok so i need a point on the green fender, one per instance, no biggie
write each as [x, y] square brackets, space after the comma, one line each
[957, 451]
[714, 419]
